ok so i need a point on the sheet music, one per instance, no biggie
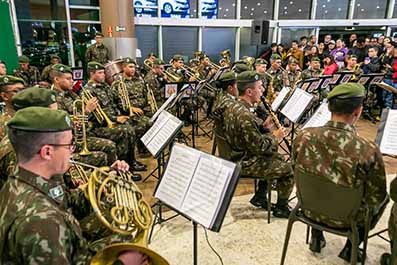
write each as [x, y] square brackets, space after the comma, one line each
[160, 132]
[320, 117]
[296, 105]
[166, 103]
[280, 97]
[388, 144]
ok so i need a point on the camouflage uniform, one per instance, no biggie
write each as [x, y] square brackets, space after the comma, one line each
[279, 78]
[335, 152]
[4, 117]
[7, 160]
[222, 103]
[309, 73]
[38, 226]
[156, 84]
[98, 54]
[293, 77]
[96, 145]
[122, 134]
[31, 76]
[257, 152]
[45, 75]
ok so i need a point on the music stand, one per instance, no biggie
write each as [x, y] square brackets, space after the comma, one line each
[368, 80]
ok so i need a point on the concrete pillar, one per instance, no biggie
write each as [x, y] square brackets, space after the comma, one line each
[117, 20]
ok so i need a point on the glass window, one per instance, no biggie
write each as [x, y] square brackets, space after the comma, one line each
[246, 48]
[84, 2]
[370, 9]
[84, 14]
[295, 9]
[83, 36]
[216, 40]
[226, 9]
[179, 40]
[145, 8]
[290, 34]
[40, 9]
[255, 9]
[147, 37]
[332, 9]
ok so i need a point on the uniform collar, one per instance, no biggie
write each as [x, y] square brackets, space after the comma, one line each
[52, 188]
[246, 104]
[341, 126]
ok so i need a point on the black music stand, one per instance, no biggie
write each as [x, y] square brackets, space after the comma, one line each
[369, 80]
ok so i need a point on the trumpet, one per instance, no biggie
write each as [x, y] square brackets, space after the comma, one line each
[151, 99]
[124, 97]
[171, 77]
[79, 127]
[99, 114]
[119, 205]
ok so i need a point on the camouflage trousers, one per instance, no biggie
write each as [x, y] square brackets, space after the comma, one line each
[393, 233]
[95, 158]
[271, 168]
[105, 145]
[141, 124]
[124, 137]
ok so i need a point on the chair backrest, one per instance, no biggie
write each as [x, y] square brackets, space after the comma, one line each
[323, 197]
[224, 149]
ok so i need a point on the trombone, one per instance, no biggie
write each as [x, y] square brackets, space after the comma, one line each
[171, 77]
[79, 126]
[99, 114]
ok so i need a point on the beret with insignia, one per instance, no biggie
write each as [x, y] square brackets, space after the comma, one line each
[177, 57]
[94, 66]
[23, 59]
[260, 61]
[10, 80]
[246, 78]
[40, 119]
[55, 56]
[61, 68]
[292, 60]
[315, 59]
[128, 60]
[98, 34]
[158, 62]
[33, 97]
[2, 62]
[275, 56]
[347, 90]
[228, 76]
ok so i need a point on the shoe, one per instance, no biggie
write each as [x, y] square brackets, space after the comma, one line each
[138, 166]
[281, 211]
[136, 177]
[345, 254]
[317, 242]
[385, 259]
[259, 202]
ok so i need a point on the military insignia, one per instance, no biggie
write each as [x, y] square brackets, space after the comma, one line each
[53, 98]
[56, 192]
[256, 77]
[5, 80]
[61, 68]
[67, 120]
[96, 67]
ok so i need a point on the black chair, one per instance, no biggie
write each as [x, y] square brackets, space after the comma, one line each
[320, 196]
[225, 152]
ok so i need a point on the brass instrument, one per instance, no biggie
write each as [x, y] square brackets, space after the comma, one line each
[119, 205]
[226, 56]
[99, 114]
[215, 66]
[151, 99]
[124, 97]
[271, 95]
[79, 126]
[192, 72]
[250, 61]
[171, 77]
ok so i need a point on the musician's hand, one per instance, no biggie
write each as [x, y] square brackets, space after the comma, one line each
[122, 119]
[91, 105]
[120, 165]
[133, 257]
[280, 133]
[192, 79]
[137, 111]
[268, 123]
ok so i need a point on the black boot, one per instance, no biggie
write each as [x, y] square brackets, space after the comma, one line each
[259, 199]
[281, 210]
[135, 164]
[385, 259]
[142, 149]
[346, 253]
[317, 241]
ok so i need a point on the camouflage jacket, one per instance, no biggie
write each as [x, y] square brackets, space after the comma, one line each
[65, 100]
[308, 73]
[107, 99]
[7, 160]
[31, 76]
[4, 118]
[222, 102]
[98, 54]
[280, 78]
[155, 83]
[243, 134]
[37, 227]
[335, 152]
[136, 91]
[293, 77]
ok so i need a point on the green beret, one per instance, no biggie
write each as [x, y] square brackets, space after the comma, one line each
[353, 56]
[33, 96]
[292, 60]
[275, 56]
[158, 62]
[348, 90]
[39, 119]
[23, 59]
[151, 54]
[315, 59]
[10, 80]
[228, 76]
[55, 56]
[94, 66]
[61, 68]
[177, 57]
[260, 61]
[98, 34]
[240, 67]
[245, 78]
[128, 60]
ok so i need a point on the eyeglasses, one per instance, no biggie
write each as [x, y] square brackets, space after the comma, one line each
[71, 146]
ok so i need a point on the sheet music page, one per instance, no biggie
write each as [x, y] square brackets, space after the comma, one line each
[177, 176]
[296, 105]
[279, 99]
[148, 136]
[388, 145]
[320, 117]
[166, 103]
[207, 190]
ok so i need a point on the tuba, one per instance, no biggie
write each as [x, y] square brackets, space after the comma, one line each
[79, 126]
[119, 205]
[99, 114]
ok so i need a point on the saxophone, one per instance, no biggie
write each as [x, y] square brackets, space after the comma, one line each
[270, 96]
